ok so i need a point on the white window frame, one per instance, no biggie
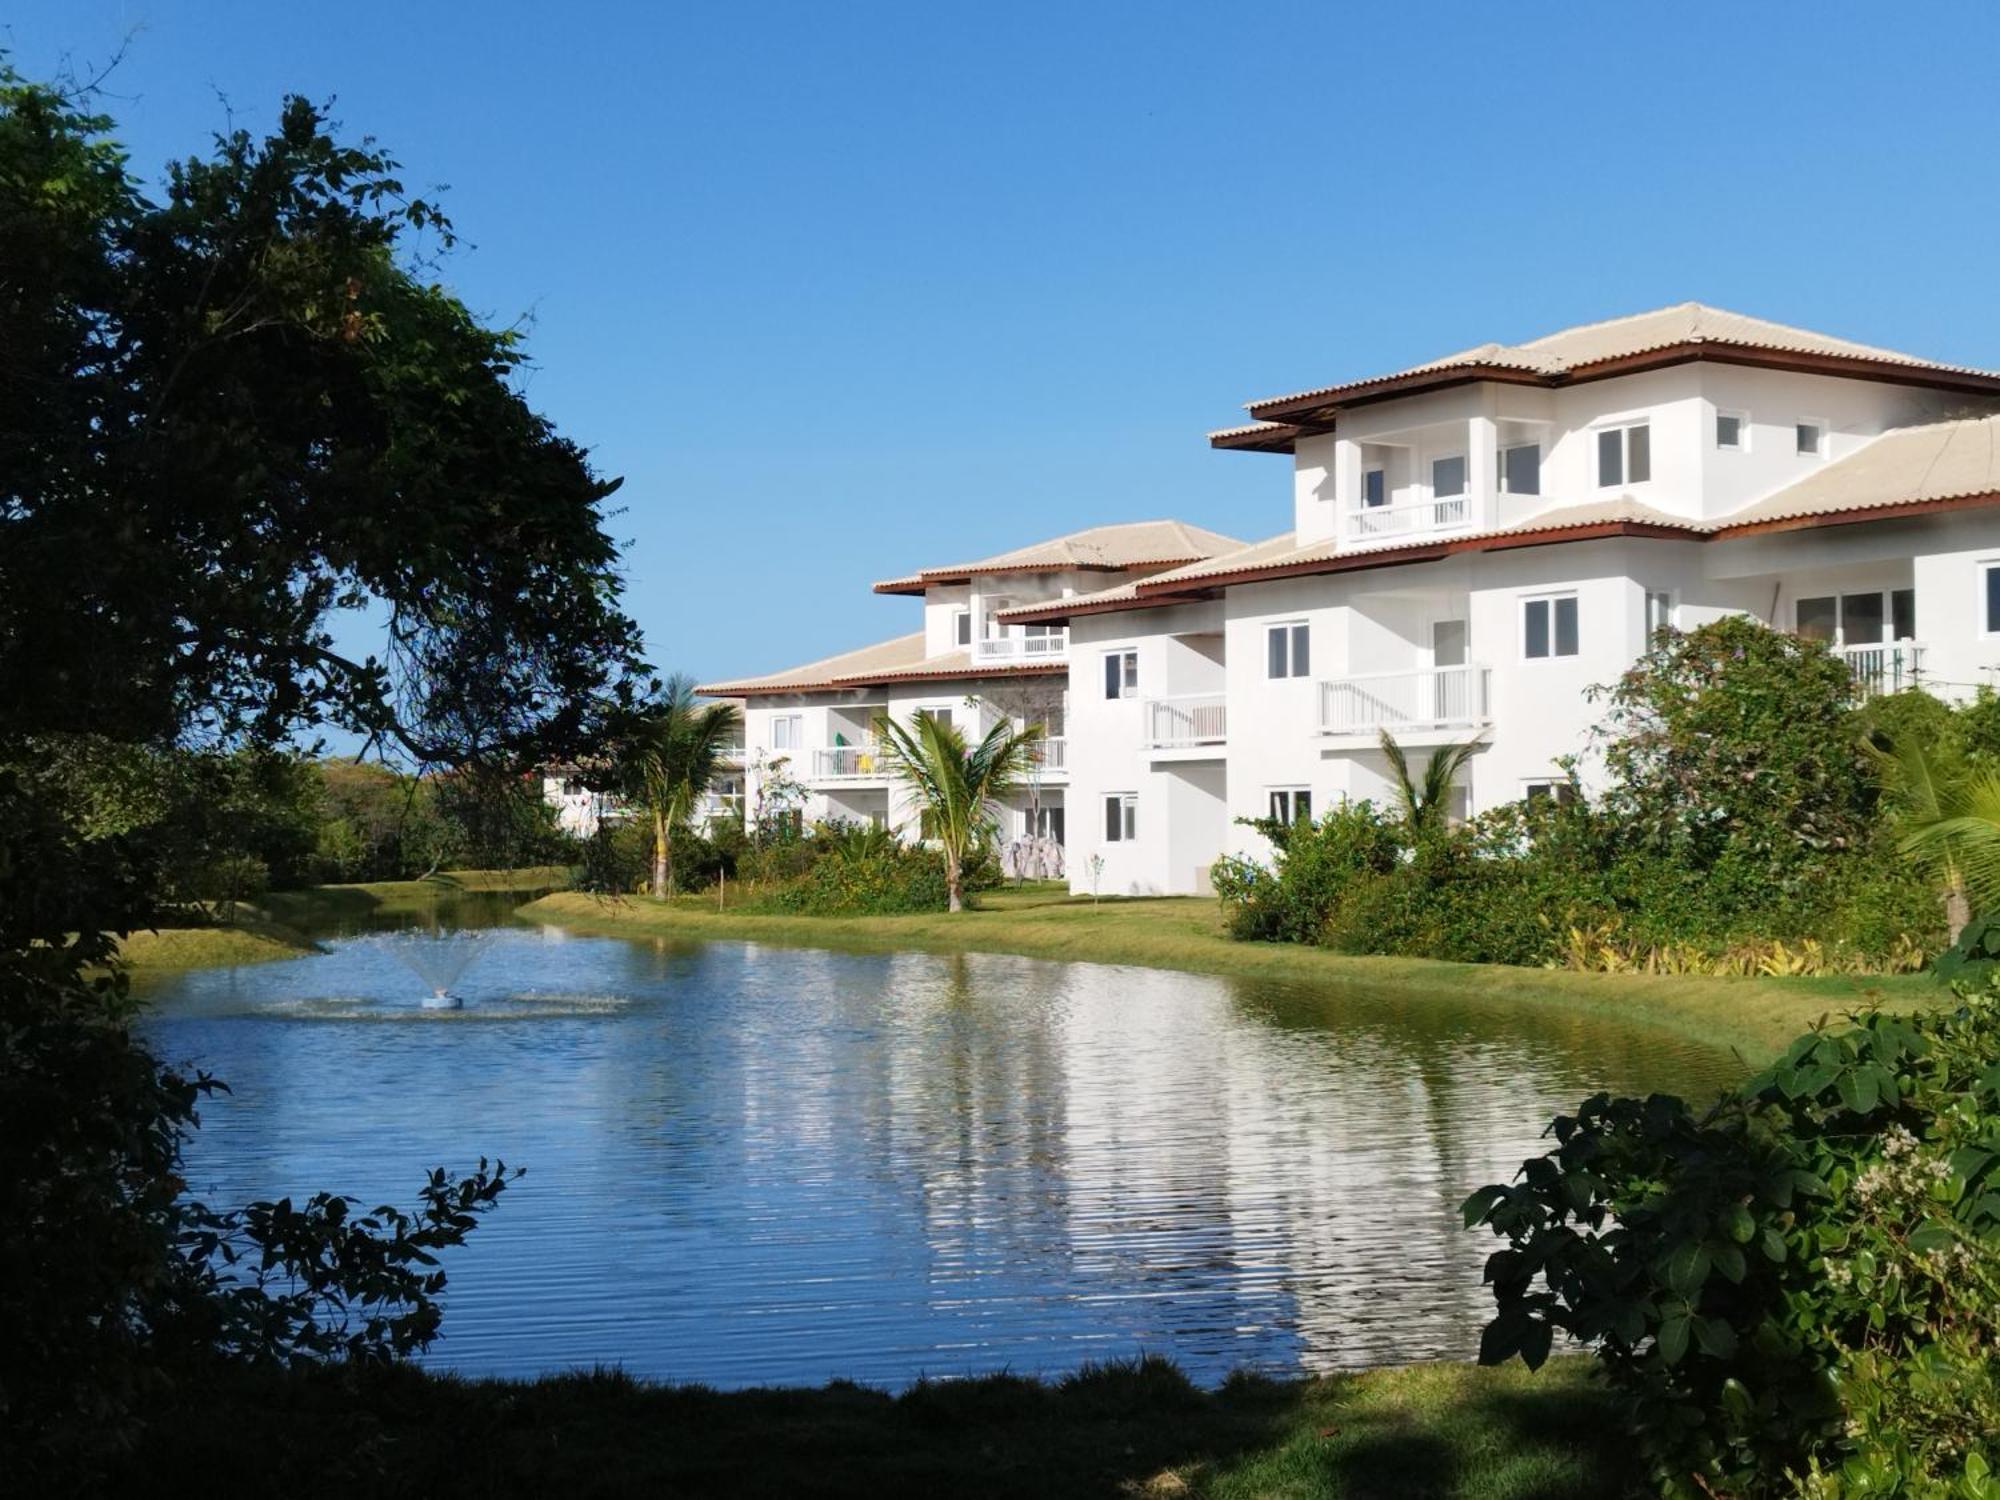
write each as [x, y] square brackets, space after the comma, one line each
[1549, 597]
[1445, 456]
[1673, 609]
[1128, 817]
[1742, 443]
[1290, 630]
[1623, 428]
[1840, 597]
[1559, 789]
[961, 627]
[1818, 454]
[797, 726]
[1128, 675]
[1291, 796]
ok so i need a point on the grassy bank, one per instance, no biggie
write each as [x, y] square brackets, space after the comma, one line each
[280, 924]
[1423, 1431]
[1753, 1016]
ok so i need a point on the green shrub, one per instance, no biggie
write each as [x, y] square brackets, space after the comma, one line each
[1316, 867]
[1798, 1290]
[868, 882]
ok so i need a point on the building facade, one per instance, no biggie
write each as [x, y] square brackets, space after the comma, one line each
[1473, 545]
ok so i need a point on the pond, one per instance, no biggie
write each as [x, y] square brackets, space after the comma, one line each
[761, 1165]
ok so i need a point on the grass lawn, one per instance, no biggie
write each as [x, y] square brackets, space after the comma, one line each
[1753, 1016]
[1423, 1431]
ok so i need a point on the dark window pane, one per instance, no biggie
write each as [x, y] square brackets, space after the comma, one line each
[1274, 641]
[1611, 457]
[1639, 454]
[1131, 819]
[1302, 807]
[1301, 650]
[1522, 469]
[1280, 811]
[1817, 617]
[1808, 436]
[1114, 677]
[1993, 600]
[1447, 477]
[1538, 791]
[1565, 627]
[1538, 627]
[1114, 821]
[1375, 487]
[1861, 619]
[1903, 614]
[1728, 430]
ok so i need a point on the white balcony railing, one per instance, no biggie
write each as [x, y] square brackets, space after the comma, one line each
[1431, 698]
[850, 762]
[1051, 754]
[1187, 720]
[1370, 521]
[1886, 668]
[1048, 647]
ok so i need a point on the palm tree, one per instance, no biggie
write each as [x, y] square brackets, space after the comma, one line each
[667, 761]
[1425, 806]
[1950, 823]
[957, 788]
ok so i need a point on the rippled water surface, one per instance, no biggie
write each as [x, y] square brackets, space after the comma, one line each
[754, 1165]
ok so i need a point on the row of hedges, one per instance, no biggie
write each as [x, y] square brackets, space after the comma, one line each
[1742, 813]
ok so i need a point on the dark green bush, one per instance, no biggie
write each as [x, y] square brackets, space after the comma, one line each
[1317, 866]
[867, 882]
[1798, 1289]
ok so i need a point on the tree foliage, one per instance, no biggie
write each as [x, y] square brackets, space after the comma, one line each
[957, 788]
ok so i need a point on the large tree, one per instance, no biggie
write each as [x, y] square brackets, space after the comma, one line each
[957, 788]
[666, 760]
[231, 412]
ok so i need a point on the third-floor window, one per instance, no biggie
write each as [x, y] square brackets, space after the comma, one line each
[1288, 650]
[1624, 455]
[1121, 674]
[1521, 469]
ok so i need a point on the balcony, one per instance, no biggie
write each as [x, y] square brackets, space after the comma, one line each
[1885, 668]
[1429, 698]
[1187, 721]
[863, 762]
[1051, 756]
[1371, 522]
[1005, 650]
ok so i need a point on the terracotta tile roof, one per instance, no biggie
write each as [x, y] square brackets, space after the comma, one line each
[1129, 544]
[1687, 329]
[898, 660]
[1903, 467]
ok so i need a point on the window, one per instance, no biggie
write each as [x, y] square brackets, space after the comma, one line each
[1048, 824]
[1374, 487]
[961, 627]
[1811, 438]
[1992, 571]
[1521, 469]
[1731, 429]
[787, 732]
[942, 715]
[1448, 476]
[1541, 793]
[1548, 627]
[1624, 455]
[1291, 804]
[1659, 612]
[1288, 650]
[1121, 817]
[1121, 674]
[1864, 619]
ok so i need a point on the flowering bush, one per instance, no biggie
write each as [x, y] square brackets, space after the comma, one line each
[1798, 1289]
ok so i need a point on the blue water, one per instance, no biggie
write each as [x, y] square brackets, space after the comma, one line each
[756, 1165]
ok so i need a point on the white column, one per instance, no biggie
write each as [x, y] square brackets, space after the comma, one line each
[1482, 459]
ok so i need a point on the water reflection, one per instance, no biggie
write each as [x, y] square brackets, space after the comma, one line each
[752, 1164]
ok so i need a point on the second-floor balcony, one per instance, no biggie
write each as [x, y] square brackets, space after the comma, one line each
[1369, 522]
[1426, 698]
[1050, 645]
[862, 762]
[1050, 756]
[1887, 667]
[1187, 721]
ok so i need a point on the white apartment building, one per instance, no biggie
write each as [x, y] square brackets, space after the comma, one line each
[1474, 543]
[580, 809]
[811, 750]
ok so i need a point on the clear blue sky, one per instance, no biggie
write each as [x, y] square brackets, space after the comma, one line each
[843, 289]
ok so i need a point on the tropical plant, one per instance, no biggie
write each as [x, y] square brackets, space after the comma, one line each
[666, 761]
[1426, 804]
[957, 789]
[1949, 823]
[1798, 1289]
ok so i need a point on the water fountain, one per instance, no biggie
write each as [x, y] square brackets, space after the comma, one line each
[438, 958]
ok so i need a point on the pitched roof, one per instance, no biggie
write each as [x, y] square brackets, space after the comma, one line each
[1687, 330]
[897, 660]
[1907, 470]
[1127, 544]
